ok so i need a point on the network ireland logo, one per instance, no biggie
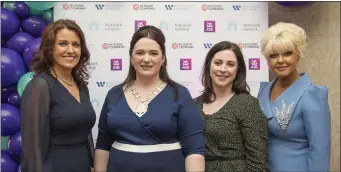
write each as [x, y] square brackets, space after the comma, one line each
[209, 26]
[93, 25]
[163, 25]
[114, 27]
[139, 23]
[116, 64]
[92, 66]
[207, 45]
[185, 64]
[254, 63]
[182, 27]
[244, 27]
[232, 26]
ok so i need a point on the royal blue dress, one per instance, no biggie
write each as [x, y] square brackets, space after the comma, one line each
[299, 126]
[167, 121]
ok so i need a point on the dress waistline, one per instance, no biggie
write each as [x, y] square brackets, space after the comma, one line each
[146, 148]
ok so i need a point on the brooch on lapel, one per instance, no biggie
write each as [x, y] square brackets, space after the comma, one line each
[283, 115]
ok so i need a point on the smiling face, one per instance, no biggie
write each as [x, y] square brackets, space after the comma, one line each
[283, 45]
[282, 58]
[283, 64]
[67, 49]
[223, 68]
[147, 58]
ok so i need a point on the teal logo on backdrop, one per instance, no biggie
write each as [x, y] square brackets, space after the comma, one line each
[93, 25]
[163, 25]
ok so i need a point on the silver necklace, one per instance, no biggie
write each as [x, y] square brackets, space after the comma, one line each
[142, 107]
[69, 84]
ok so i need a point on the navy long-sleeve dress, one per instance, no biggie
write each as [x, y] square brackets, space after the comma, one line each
[166, 121]
[55, 127]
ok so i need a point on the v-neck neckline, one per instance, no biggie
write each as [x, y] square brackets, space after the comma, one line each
[284, 92]
[149, 104]
[218, 111]
[65, 89]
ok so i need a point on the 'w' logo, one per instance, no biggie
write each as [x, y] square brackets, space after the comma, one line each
[169, 7]
[100, 84]
[207, 45]
[99, 6]
[236, 7]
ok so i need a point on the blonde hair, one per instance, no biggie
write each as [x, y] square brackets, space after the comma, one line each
[283, 37]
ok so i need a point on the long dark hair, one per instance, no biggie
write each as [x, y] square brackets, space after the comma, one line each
[155, 34]
[239, 84]
[43, 59]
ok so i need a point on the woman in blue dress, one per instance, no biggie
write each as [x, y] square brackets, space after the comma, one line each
[297, 110]
[149, 123]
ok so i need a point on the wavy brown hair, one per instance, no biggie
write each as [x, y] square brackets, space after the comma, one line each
[239, 85]
[43, 59]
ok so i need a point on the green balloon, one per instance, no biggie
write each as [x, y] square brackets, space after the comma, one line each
[34, 12]
[48, 15]
[10, 5]
[41, 5]
[4, 142]
[23, 81]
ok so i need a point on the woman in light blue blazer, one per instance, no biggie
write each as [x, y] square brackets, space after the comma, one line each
[297, 110]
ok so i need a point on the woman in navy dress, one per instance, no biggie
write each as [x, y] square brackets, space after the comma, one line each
[297, 110]
[149, 123]
[56, 112]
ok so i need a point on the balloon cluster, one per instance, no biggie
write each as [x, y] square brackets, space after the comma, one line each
[22, 24]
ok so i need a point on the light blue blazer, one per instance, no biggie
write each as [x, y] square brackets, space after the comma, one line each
[299, 126]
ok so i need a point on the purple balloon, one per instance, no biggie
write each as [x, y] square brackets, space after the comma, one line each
[7, 163]
[21, 9]
[33, 25]
[9, 23]
[3, 43]
[292, 3]
[6, 92]
[14, 99]
[10, 120]
[12, 67]
[31, 48]
[14, 144]
[19, 41]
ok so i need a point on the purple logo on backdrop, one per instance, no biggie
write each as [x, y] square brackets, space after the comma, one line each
[254, 63]
[139, 23]
[185, 64]
[116, 64]
[209, 26]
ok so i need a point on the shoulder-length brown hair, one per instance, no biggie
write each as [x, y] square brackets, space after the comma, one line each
[43, 59]
[239, 84]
